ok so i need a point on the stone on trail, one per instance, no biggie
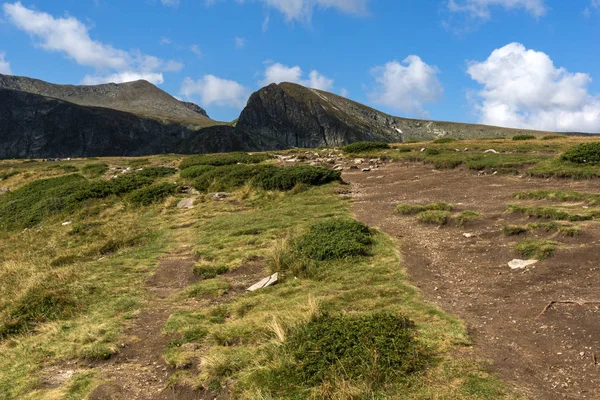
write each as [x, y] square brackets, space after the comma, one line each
[520, 264]
[187, 203]
[268, 281]
[469, 235]
[491, 151]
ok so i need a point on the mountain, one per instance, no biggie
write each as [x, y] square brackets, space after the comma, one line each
[140, 97]
[43, 120]
[289, 115]
[35, 126]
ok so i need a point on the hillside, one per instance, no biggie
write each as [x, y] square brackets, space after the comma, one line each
[139, 97]
[289, 115]
[44, 127]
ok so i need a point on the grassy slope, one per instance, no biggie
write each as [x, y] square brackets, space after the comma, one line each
[241, 337]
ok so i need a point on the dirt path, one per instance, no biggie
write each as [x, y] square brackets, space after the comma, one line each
[548, 356]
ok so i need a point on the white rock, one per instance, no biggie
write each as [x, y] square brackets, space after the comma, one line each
[469, 235]
[359, 161]
[491, 151]
[366, 169]
[520, 264]
[67, 223]
[268, 281]
[187, 203]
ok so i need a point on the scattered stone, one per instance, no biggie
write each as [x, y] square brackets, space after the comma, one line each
[268, 281]
[67, 223]
[469, 235]
[423, 149]
[338, 167]
[353, 167]
[187, 203]
[359, 161]
[221, 195]
[491, 151]
[366, 169]
[520, 264]
[4, 190]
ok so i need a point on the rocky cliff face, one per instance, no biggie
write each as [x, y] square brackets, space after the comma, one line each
[286, 115]
[41, 127]
[139, 97]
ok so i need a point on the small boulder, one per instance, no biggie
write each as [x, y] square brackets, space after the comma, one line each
[521, 264]
[366, 169]
[492, 151]
[187, 203]
[266, 282]
[67, 223]
[221, 195]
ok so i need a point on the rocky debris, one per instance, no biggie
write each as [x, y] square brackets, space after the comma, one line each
[358, 161]
[67, 223]
[521, 264]
[220, 195]
[366, 169]
[266, 282]
[189, 190]
[338, 167]
[187, 203]
[492, 151]
[469, 235]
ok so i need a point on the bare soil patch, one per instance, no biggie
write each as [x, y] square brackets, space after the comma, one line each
[549, 355]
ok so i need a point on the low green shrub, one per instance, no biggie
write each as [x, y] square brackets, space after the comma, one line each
[363, 147]
[219, 160]
[376, 347]
[94, 170]
[138, 162]
[229, 177]
[553, 137]
[444, 140]
[334, 239]
[156, 172]
[585, 153]
[195, 171]
[152, 194]
[435, 217]
[524, 137]
[537, 249]
[210, 271]
[286, 178]
[549, 213]
[433, 152]
[410, 209]
[404, 149]
[569, 230]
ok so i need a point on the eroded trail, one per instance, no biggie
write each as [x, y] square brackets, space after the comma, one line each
[548, 356]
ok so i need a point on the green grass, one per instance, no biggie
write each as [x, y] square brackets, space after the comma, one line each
[435, 217]
[553, 213]
[152, 194]
[536, 249]
[514, 230]
[444, 140]
[219, 160]
[556, 168]
[410, 209]
[590, 199]
[364, 147]
[94, 170]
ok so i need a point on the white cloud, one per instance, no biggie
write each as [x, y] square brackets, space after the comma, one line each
[196, 50]
[302, 10]
[165, 40]
[71, 37]
[240, 42]
[170, 3]
[344, 92]
[121, 77]
[524, 89]
[4, 65]
[407, 86]
[277, 73]
[265, 24]
[213, 90]
[481, 8]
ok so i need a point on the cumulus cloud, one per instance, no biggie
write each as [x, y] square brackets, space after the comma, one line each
[121, 77]
[277, 73]
[481, 8]
[407, 86]
[71, 37]
[4, 65]
[522, 88]
[302, 10]
[212, 90]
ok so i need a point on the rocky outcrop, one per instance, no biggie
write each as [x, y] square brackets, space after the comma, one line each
[289, 115]
[41, 127]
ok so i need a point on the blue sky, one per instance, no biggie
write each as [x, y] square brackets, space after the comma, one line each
[518, 63]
